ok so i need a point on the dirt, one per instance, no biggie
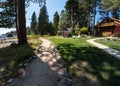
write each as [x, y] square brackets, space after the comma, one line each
[41, 71]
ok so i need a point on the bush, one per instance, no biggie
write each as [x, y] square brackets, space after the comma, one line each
[13, 45]
[33, 37]
[84, 30]
[47, 35]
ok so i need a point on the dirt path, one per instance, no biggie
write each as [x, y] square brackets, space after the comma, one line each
[105, 48]
[46, 70]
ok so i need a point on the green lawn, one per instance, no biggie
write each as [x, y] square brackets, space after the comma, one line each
[114, 43]
[88, 65]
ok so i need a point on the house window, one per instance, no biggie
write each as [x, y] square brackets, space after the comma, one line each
[107, 21]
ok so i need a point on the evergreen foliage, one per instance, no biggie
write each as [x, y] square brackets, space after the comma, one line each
[111, 7]
[7, 14]
[63, 21]
[55, 21]
[34, 23]
[43, 21]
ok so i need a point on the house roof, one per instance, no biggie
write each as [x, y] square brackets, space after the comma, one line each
[107, 22]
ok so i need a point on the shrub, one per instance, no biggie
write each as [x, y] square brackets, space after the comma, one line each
[47, 35]
[13, 45]
[84, 30]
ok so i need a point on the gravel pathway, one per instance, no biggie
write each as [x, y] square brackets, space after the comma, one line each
[47, 70]
[111, 51]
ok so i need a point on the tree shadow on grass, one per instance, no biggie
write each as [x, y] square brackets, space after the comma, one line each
[96, 65]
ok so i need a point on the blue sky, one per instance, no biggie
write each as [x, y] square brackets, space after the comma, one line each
[52, 7]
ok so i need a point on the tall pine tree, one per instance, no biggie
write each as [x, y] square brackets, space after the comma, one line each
[43, 21]
[34, 23]
[55, 21]
[72, 8]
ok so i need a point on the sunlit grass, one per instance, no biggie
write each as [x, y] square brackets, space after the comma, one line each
[88, 65]
[114, 43]
[34, 41]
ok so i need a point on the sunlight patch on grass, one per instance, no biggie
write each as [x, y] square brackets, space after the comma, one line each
[105, 75]
[34, 41]
[82, 78]
[107, 66]
[117, 73]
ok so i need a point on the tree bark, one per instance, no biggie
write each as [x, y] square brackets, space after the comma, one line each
[21, 30]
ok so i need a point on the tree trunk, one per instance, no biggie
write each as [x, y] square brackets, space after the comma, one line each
[21, 30]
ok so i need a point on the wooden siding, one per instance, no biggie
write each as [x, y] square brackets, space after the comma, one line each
[109, 27]
[106, 24]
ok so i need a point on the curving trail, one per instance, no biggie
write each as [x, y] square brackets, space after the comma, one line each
[111, 51]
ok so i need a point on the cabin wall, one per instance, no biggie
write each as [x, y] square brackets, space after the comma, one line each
[109, 27]
[106, 31]
[117, 31]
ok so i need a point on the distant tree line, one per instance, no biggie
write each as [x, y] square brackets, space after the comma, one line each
[42, 25]
[76, 15]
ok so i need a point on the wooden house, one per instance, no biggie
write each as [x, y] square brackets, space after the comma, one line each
[108, 27]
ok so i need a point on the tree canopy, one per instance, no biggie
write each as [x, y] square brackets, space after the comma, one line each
[55, 21]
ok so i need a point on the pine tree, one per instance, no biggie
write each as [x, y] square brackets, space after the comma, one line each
[43, 21]
[20, 18]
[34, 23]
[112, 7]
[7, 14]
[85, 8]
[72, 8]
[55, 21]
[62, 23]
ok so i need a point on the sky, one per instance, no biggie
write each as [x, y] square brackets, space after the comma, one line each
[52, 7]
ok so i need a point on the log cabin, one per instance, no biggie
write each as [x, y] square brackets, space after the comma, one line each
[108, 27]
